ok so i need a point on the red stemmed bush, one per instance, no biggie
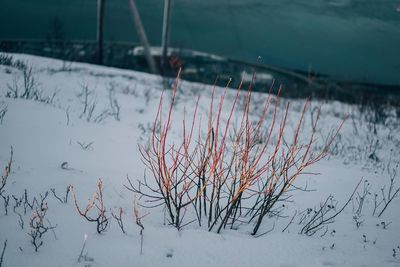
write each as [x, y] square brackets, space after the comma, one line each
[227, 172]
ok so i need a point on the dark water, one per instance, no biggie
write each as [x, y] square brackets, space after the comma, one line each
[349, 39]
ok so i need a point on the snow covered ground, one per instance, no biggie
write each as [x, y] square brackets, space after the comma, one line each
[57, 143]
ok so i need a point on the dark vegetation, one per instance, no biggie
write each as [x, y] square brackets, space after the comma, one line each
[204, 69]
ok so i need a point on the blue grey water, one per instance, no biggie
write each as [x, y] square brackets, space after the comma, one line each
[348, 39]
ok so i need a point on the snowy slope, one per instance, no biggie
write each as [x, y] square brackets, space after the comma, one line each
[49, 143]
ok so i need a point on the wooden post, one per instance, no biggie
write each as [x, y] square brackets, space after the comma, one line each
[100, 28]
[165, 33]
[142, 36]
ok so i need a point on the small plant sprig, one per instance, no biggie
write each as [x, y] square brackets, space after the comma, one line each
[95, 203]
[358, 221]
[4, 178]
[63, 199]
[6, 173]
[8, 60]
[360, 198]
[6, 200]
[138, 220]
[118, 217]
[30, 88]
[85, 146]
[21, 222]
[395, 251]
[90, 111]
[390, 194]
[383, 224]
[115, 108]
[38, 227]
[18, 202]
[27, 203]
[84, 256]
[3, 111]
[2, 253]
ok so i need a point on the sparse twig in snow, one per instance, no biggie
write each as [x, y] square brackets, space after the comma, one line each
[3, 111]
[67, 115]
[63, 199]
[6, 200]
[38, 228]
[2, 253]
[114, 106]
[82, 255]
[20, 221]
[138, 220]
[360, 198]
[391, 193]
[320, 217]
[97, 202]
[84, 145]
[290, 222]
[6, 173]
[118, 217]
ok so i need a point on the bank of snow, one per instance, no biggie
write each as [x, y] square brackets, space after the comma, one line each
[45, 136]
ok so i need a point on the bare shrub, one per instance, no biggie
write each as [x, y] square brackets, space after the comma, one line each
[8, 60]
[29, 84]
[29, 88]
[89, 102]
[91, 112]
[38, 226]
[95, 210]
[230, 173]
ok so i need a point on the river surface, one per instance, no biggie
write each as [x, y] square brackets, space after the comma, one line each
[355, 40]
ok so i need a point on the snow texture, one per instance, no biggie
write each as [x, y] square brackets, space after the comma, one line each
[56, 145]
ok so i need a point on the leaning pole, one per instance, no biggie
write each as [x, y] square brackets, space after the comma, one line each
[142, 36]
